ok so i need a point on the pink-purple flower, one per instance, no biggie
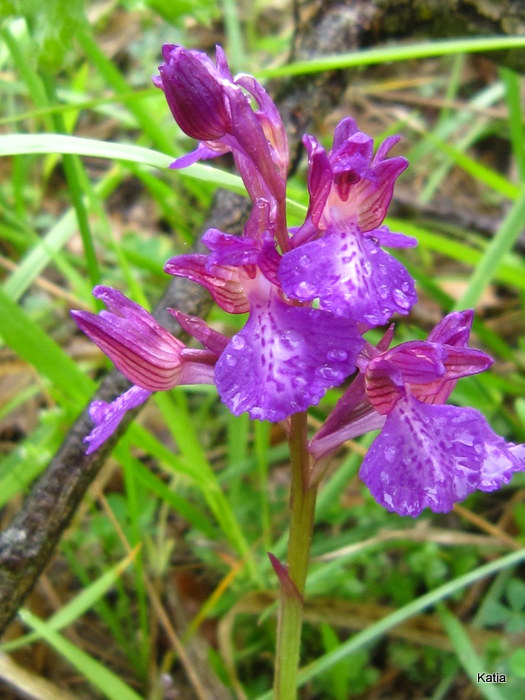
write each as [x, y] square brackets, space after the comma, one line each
[427, 455]
[336, 254]
[287, 355]
[145, 352]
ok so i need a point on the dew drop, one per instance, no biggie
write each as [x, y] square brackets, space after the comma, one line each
[231, 360]
[238, 342]
[305, 260]
[290, 337]
[372, 319]
[405, 286]
[304, 290]
[329, 373]
[401, 299]
[337, 355]
[389, 453]
[383, 291]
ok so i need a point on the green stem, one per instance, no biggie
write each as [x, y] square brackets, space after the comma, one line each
[302, 503]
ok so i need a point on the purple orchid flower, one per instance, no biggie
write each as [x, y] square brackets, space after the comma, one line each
[145, 352]
[427, 454]
[212, 106]
[336, 254]
[287, 355]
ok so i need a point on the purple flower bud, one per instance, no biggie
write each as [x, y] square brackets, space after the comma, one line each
[195, 92]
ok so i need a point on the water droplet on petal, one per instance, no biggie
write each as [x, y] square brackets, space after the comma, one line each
[238, 342]
[337, 355]
[372, 319]
[405, 286]
[389, 453]
[304, 290]
[290, 337]
[401, 299]
[231, 360]
[329, 373]
[305, 260]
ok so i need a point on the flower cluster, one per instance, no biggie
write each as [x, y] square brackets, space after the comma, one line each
[310, 294]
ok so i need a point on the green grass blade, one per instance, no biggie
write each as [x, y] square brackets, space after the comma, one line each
[32, 344]
[15, 144]
[501, 243]
[400, 52]
[466, 653]
[512, 83]
[98, 675]
[144, 115]
[78, 606]
[77, 182]
[55, 239]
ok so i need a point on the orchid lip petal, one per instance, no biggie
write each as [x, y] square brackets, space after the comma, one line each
[350, 275]
[434, 456]
[284, 359]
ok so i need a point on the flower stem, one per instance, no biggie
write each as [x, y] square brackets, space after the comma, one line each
[293, 577]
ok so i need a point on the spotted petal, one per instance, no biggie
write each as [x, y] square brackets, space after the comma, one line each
[434, 456]
[284, 359]
[350, 274]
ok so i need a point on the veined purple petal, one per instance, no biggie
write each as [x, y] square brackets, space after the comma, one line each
[350, 275]
[346, 128]
[389, 239]
[107, 416]
[203, 151]
[373, 195]
[284, 359]
[320, 178]
[145, 352]
[270, 120]
[430, 369]
[224, 282]
[434, 456]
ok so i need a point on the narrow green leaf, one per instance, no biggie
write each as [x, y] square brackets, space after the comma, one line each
[32, 344]
[102, 678]
[402, 52]
[16, 144]
[466, 653]
[501, 243]
[79, 605]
